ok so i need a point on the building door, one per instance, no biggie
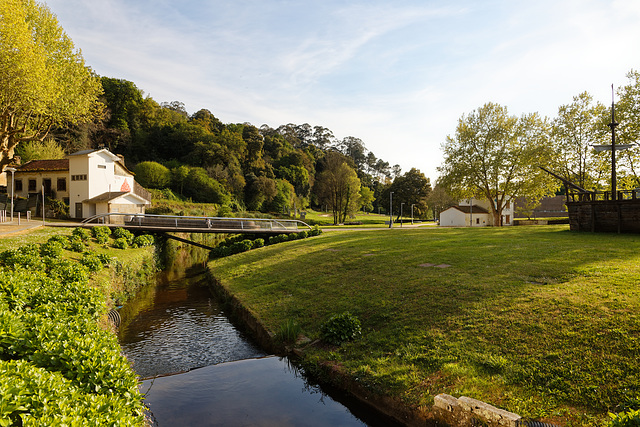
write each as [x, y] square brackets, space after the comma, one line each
[78, 210]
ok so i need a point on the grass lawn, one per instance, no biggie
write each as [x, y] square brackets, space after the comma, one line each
[536, 320]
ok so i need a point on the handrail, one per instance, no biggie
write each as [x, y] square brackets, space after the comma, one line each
[271, 224]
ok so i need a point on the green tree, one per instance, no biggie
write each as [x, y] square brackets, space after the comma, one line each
[339, 186]
[411, 188]
[39, 150]
[439, 200]
[496, 156]
[204, 189]
[43, 78]
[366, 199]
[628, 132]
[578, 126]
[152, 175]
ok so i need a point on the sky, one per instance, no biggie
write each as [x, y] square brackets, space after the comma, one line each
[398, 74]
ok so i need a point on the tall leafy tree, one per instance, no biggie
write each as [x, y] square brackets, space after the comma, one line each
[339, 186]
[497, 156]
[43, 79]
[628, 132]
[575, 130]
[412, 188]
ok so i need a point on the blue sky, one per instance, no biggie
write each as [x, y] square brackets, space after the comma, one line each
[396, 73]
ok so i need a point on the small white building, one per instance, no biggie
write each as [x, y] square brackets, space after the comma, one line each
[474, 213]
[90, 181]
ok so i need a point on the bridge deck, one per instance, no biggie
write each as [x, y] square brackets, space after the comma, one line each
[187, 224]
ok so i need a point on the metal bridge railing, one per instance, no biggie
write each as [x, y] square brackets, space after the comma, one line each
[169, 222]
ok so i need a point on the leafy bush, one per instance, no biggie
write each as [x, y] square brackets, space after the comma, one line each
[81, 233]
[315, 231]
[27, 256]
[258, 243]
[92, 261]
[105, 259]
[625, 419]
[121, 243]
[76, 244]
[340, 328]
[143, 240]
[52, 249]
[63, 240]
[101, 233]
[120, 233]
[302, 235]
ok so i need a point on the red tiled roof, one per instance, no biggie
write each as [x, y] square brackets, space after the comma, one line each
[45, 165]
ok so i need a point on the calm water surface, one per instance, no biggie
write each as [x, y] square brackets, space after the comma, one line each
[224, 379]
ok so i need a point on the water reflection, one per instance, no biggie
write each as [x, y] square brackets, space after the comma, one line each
[257, 392]
[181, 329]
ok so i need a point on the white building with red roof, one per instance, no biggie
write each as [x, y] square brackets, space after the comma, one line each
[91, 182]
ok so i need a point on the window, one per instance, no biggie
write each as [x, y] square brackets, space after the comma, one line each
[508, 219]
[102, 166]
[477, 220]
[507, 205]
[62, 184]
[18, 185]
[79, 177]
[32, 185]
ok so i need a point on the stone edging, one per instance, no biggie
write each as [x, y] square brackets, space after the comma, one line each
[465, 411]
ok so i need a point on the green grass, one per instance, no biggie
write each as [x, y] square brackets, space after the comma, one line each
[536, 320]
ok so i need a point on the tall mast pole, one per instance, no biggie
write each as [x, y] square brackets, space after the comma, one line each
[613, 125]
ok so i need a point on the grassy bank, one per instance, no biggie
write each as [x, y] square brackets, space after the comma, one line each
[536, 320]
[59, 364]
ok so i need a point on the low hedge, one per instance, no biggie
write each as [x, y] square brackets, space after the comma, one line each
[57, 366]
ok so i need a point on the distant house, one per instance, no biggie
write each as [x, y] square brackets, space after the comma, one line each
[474, 213]
[91, 182]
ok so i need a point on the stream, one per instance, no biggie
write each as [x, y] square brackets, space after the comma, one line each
[199, 369]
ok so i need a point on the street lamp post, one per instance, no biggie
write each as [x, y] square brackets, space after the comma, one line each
[12, 170]
[412, 205]
[401, 205]
[391, 209]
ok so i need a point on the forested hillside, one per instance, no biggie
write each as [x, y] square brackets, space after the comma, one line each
[198, 157]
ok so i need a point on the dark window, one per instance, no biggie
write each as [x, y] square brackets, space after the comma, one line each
[62, 184]
[18, 185]
[32, 185]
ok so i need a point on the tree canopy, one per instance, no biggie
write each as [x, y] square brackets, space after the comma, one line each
[43, 79]
[496, 156]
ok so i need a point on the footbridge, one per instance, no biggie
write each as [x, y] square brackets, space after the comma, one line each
[165, 224]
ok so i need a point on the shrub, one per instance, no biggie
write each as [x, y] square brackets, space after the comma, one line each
[52, 249]
[121, 243]
[340, 328]
[121, 233]
[143, 240]
[92, 261]
[76, 244]
[106, 260]
[63, 240]
[81, 233]
[315, 231]
[258, 243]
[101, 233]
[625, 419]
[303, 235]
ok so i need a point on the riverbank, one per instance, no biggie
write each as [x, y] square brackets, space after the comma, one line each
[59, 363]
[537, 321]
